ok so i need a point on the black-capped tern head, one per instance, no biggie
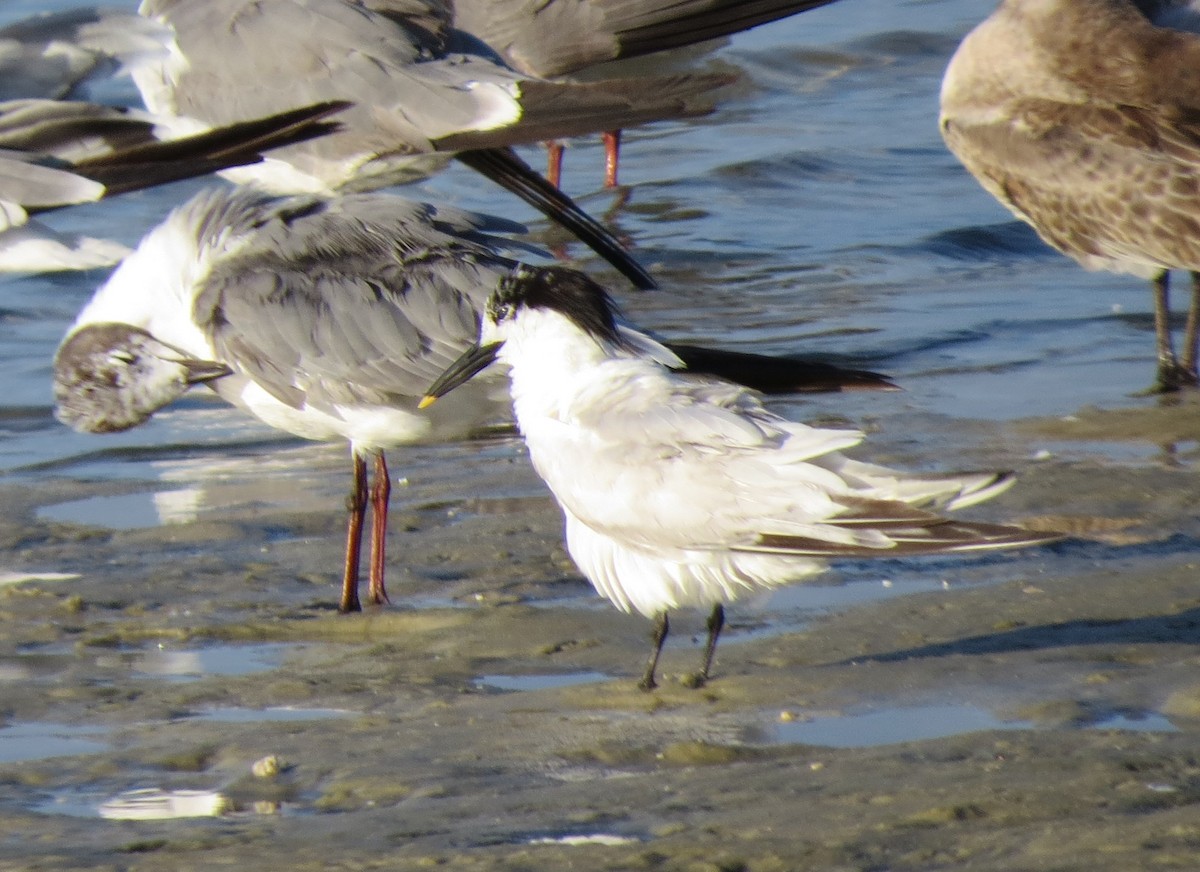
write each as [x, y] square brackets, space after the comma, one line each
[568, 293]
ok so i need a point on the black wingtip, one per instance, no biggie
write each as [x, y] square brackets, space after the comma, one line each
[779, 375]
[504, 167]
[240, 144]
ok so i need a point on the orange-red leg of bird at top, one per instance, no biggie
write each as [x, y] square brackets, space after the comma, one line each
[612, 154]
[356, 504]
[554, 161]
[381, 491]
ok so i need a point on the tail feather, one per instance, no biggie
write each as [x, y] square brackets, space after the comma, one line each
[941, 491]
[941, 536]
[778, 375]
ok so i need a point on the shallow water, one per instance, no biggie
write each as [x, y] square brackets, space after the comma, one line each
[816, 213]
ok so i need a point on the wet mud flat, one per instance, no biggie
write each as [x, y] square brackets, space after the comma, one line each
[1034, 710]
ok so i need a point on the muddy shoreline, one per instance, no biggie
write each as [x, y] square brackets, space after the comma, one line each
[402, 746]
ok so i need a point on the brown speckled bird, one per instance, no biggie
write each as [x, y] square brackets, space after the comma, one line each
[1083, 118]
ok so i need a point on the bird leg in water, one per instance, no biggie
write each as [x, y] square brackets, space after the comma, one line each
[661, 627]
[381, 491]
[612, 157]
[1191, 334]
[716, 621]
[356, 505]
[1172, 375]
[612, 154]
[554, 161]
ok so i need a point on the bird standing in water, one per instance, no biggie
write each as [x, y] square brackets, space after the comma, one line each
[1083, 118]
[680, 490]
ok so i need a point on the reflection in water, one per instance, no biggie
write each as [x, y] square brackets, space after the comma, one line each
[242, 480]
[152, 804]
[120, 512]
[55, 662]
[274, 714]
[227, 660]
[539, 682]
[37, 741]
[913, 724]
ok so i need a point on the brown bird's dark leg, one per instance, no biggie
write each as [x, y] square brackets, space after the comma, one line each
[554, 161]
[661, 627]
[381, 491]
[612, 154]
[356, 504]
[1162, 323]
[716, 621]
[1171, 375]
[1191, 336]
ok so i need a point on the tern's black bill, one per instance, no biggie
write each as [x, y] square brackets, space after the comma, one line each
[476, 359]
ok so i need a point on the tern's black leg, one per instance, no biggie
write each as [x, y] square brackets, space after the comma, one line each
[716, 621]
[661, 627]
[356, 504]
[381, 491]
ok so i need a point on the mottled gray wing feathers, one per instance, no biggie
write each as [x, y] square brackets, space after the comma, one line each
[53, 54]
[274, 55]
[938, 536]
[413, 92]
[325, 311]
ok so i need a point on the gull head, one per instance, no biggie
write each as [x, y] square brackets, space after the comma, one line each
[111, 377]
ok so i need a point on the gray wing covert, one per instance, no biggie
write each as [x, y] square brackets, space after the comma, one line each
[340, 339]
[248, 59]
[335, 308]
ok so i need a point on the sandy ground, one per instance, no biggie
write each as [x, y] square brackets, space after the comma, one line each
[397, 752]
